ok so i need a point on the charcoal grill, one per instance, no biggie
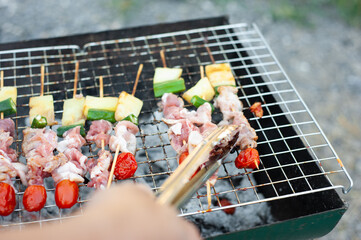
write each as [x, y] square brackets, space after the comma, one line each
[295, 193]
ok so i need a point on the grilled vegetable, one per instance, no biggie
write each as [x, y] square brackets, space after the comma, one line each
[8, 107]
[44, 106]
[105, 103]
[61, 130]
[66, 194]
[34, 198]
[166, 74]
[73, 111]
[167, 80]
[248, 158]
[39, 122]
[202, 89]
[7, 199]
[8, 92]
[127, 105]
[197, 102]
[220, 75]
[173, 86]
[132, 118]
[96, 114]
[125, 166]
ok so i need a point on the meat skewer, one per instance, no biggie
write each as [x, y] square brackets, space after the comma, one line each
[38, 146]
[9, 165]
[124, 139]
[71, 172]
[100, 133]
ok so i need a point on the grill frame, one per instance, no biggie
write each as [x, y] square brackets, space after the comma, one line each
[253, 74]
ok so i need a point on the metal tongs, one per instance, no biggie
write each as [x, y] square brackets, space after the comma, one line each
[180, 186]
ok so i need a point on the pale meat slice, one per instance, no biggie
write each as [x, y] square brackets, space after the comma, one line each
[72, 139]
[124, 137]
[5, 142]
[9, 169]
[179, 132]
[99, 170]
[99, 131]
[75, 166]
[38, 146]
[231, 108]
[7, 125]
[172, 105]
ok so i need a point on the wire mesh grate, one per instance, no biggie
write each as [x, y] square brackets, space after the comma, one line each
[296, 157]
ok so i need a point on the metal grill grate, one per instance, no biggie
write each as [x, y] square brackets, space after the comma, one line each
[296, 157]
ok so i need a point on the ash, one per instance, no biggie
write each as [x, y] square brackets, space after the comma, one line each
[218, 222]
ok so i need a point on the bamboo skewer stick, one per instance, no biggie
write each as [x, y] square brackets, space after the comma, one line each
[76, 78]
[162, 56]
[209, 197]
[137, 79]
[42, 72]
[118, 146]
[101, 94]
[1, 86]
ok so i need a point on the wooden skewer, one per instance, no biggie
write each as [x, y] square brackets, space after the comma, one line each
[137, 79]
[42, 72]
[101, 94]
[209, 198]
[162, 56]
[118, 146]
[210, 54]
[1, 86]
[202, 71]
[76, 78]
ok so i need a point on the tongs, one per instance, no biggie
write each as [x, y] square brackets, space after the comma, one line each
[180, 186]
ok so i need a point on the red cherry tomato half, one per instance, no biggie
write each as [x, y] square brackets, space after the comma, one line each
[66, 194]
[225, 202]
[7, 199]
[34, 198]
[248, 158]
[125, 166]
[182, 157]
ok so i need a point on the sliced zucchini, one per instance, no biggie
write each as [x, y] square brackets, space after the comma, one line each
[96, 114]
[202, 89]
[8, 92]
[127, 104]
[43, 106]
[220, 75]
[7, 107]
[166, 74]
[105, 103]
[73, 111]
[173, 86]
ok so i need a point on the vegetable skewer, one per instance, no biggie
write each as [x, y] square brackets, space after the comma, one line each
[132, 130]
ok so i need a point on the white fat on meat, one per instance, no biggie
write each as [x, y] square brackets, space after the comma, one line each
[9, 169]
[72, 139]
[195, 138]
[98, 170]
[7, 125]
[99, 131]
[74, 168]
[5, 142]
[124, 136]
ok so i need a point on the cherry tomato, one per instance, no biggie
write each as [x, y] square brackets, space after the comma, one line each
[125, 166]
[225, 202]
[34, 198]
[248, 158]
[7, 199]
[183, 156]
[66, 194]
